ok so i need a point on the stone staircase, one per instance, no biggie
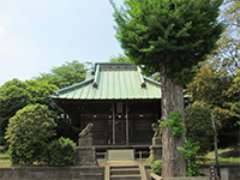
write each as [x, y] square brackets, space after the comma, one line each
[122, 166]
[132, 172]
[125, 173]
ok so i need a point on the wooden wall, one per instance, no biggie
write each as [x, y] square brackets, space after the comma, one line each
[141, 115]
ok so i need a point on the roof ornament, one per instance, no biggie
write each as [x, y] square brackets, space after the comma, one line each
[96, 77]
[143, 84]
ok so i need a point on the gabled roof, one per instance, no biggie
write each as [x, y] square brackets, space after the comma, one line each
[111, 81]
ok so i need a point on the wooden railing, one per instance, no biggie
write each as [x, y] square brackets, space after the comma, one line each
[155, 177]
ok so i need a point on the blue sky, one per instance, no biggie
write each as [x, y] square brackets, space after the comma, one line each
[36, 35]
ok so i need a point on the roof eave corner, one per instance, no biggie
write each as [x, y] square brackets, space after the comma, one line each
[143, 83]
[96, 76]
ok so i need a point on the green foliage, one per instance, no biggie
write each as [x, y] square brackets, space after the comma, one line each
[219, 91]
[234, 89]
[170, 33]
[190, 151]
[199, 125]
[61, 152]
[121, 59]
[227, 54]
[65, 75]
[232, 14]
[209, 86]
[156, 167]
[29, 133]
[40, 91]
[174, 122]
[16, 94]
[13, 96]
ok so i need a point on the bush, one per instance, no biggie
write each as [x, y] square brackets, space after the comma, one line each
[190, 151]
[61, 152]
[29, 133]
[156, 167]
[199, 125]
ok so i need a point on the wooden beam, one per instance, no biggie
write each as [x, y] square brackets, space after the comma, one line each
[127, 126]
[113, 124]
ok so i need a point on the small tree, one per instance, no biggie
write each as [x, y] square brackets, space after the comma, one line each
[61, 152]
[171, 37]
[199, 125]
[29, 133]
[13, 96]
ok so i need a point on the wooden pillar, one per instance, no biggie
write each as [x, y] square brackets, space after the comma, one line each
[113, 124]
[127, 126]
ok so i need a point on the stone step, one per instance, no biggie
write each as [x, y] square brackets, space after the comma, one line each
[126, 177]
[120, 154]
[124, 166]
[119, 171]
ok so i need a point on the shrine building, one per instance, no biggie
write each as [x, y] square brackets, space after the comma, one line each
[121, 103]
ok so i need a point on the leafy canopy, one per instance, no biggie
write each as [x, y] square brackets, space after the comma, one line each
[65, 75]
[29, 133]
[174, 33]
[16, 94]
[215, 94]
[13, 96]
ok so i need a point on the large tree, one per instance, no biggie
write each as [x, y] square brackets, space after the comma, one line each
[171, 37]
[65, 75]
[16, 94]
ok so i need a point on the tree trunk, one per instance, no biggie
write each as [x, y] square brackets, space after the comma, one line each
[173, 163]
[216, 146]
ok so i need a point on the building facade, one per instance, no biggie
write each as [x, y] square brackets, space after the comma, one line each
[121, 103]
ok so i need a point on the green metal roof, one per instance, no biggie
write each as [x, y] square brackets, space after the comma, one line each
[113, 81]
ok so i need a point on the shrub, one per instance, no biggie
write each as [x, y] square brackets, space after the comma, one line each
[156, 167]
[28, 134]
[174, 122]
[199, 125]
[61, 152]
[190, 151]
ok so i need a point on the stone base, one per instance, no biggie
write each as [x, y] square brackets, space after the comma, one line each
[86, 156]
[85, 141]
[156, 152]
[156, 141]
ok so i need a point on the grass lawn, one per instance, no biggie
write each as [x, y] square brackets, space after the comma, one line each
[4, 160]
[226, 156]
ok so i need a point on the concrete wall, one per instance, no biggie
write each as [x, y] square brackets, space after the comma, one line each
[47, 173]
[187, 178]
[228, 172]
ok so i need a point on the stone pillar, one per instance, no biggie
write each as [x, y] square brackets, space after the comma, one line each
[86, 156]
[86, 153]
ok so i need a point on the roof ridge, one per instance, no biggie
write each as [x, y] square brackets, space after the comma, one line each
[72, 87]
[143, 84]
[152, 80]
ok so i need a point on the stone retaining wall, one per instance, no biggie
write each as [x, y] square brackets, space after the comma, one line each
[228, 172]
[187, 178]
[49, 173]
